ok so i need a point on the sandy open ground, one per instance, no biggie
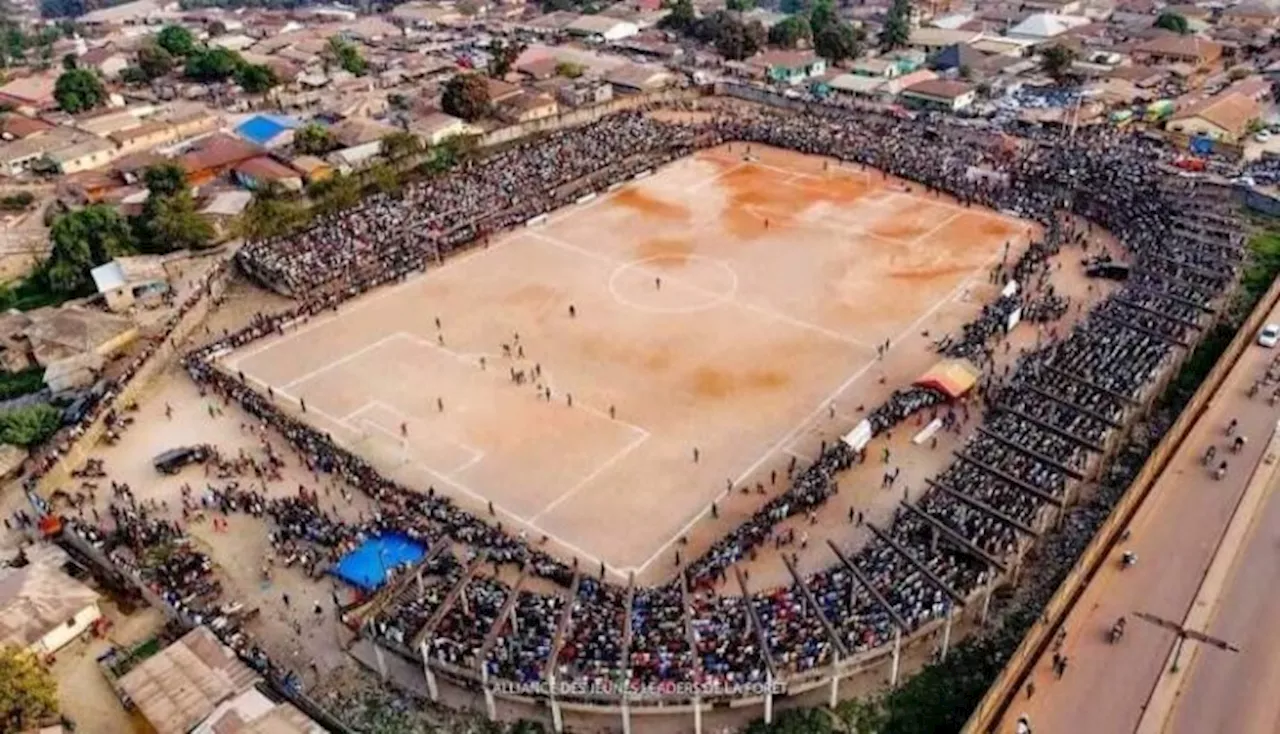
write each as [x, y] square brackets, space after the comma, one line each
[722, 305]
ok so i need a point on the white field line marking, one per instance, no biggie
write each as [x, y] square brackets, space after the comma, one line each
[768, 454]
[822, 406]
[350, 356]
[603, 467]
[475, 454]
[733, 300]
[716, 177]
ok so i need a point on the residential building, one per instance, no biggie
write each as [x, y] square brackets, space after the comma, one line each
[944, 94]
[1224, 117]
[215, 155]
[42, 609]
[1043, 26]
[139, 12]
[143, 137]
[1196, 51]
[106, 60]
[263, 170]
[85, 155]
[528, 107]
[1249, 16]
[602, 27]
[126, 280]
[636, 78]
[435, 128]
[932, 39]
[857, 85]
[790, 67]
[19, 156]
[30, 94]
[17, 127]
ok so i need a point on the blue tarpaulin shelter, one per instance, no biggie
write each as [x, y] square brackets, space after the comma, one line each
[261, 129]
[366, 567]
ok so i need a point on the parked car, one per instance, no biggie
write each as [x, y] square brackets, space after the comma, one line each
[1269, 335]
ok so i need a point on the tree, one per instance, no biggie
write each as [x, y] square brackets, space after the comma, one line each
[681, 18]
[256, 78]
[897, 25]
[734, 39]
[837, 42]
[169, 220]
[740, 6]
[334, 194]
[347, 56]
[29, 426]
[1175, 22]
[570, 70]
[70, 62]
[1057, 62]
[79, 90]
[314, 139]
[177, 40]
[502, 56]
[28, 692]
[466, 96]
[165, 179]
[82, 240]
[213, 65]
[400, 145]
[791, 32]
[270, 214]
[383, 178]
[154, 61]
[795, 7]
[822, 15]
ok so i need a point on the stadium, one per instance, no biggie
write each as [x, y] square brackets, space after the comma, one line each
[798, 250]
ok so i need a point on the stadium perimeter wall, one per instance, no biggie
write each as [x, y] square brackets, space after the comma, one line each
[993, 706]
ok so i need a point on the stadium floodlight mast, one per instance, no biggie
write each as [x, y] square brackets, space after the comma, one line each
[1184, 634]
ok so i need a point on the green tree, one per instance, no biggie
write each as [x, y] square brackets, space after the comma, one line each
[399, 145]
[213, 65]
[791, 32]
[383, 178]
[31, 425]
[334, 194]
[822, 15]
[837, 42]
[897, 25]
[502, 56]
[1057, 62]
[154, 61]
[347, 56]
[736, 40]
[169, 220]
[177, 40]
[28, 692]
[62, 8]
[70, 62]
[256, 78]
[740, 6]
[466, 96]
[795, 7]
[82, 240]
[79, 90]
[681, 18]
[570, 70]
[314, 139]
[270, 214]
[1175, 22]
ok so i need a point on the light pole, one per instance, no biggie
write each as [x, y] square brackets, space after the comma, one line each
[1184, 634]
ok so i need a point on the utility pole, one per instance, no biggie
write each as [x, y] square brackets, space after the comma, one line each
[1184, 634]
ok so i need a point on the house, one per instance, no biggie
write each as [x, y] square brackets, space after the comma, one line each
[438, 127]
[932, 39]
[106, 60]
[540, 69]
[215, 155]
[127, 280]
[42, 609]
[959, 57]
[312, 168]
[500, 91]
[941, 94]
[1249, 16]
[896, 85]
[1171, 48]
[790, 67]
[30, 94]
[528, 107]
[1224, 117]
[69, 332]
[1041, 26]
[18, 127]
[636, 78]
[264, 170]
[143, 137]
[251, 712]
[602, 27]
[268, 131]
[181, 686]
[85, 155]
[856, 85]
[19, 156]
[578, 93]
[878, 67]
[1056, 7]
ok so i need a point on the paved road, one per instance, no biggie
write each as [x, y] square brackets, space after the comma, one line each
[1175, 535]
[1237, 693]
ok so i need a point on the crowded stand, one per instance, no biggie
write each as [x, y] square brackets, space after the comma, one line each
[1083, 383]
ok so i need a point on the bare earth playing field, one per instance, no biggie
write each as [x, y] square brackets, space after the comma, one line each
[721, 304]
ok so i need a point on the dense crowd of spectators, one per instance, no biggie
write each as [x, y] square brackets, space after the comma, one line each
[1047, 418]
